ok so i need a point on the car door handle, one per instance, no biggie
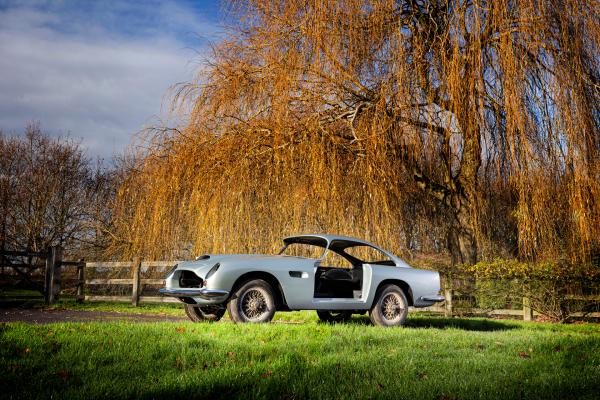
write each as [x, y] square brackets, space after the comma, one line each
[298, 274]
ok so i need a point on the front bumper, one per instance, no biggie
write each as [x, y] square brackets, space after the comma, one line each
[205, 294]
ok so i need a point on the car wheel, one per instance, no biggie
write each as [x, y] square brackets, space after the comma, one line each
[390, 307]
[252, 302]
[334, 316]
[204, 313]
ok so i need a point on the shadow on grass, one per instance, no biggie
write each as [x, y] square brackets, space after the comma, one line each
[22, 302]
[466, 324]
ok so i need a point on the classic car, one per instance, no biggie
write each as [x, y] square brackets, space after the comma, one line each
[335, 275]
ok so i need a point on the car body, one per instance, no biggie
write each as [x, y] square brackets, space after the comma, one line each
[208, 284]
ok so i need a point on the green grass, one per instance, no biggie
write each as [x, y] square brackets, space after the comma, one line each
[170, 309]
[173, 309]
[432, 358]
[26, 299]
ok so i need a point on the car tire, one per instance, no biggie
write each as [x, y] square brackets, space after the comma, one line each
[334, 316]
[390, 307]
[204, 313]
[252, 302]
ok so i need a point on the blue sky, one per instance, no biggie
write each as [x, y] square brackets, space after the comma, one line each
[99, 71]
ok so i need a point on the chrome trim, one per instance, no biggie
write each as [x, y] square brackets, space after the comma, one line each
[433, 298]
[203, 293]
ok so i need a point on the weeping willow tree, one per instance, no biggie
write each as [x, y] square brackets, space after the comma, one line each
[458, 127]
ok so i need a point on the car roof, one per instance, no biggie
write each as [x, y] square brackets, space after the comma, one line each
[330, 238]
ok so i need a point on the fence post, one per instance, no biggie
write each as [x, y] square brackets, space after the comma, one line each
[448, 302]
[527, 311]
[135, 292]
[47, 276]
[81, 281]
[53, 275]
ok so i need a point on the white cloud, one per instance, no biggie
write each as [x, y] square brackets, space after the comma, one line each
[86, 79]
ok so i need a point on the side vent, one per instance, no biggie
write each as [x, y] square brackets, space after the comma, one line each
[203, 257]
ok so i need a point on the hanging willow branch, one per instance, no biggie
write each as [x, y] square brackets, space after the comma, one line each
[467, 128]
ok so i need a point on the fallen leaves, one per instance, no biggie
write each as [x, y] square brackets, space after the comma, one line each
[63, 374]
[523, 354]
[180, 329]
[266, 374]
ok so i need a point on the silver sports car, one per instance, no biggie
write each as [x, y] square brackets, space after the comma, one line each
[335, 275]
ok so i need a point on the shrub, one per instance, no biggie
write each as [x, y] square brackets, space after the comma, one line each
[556, 290]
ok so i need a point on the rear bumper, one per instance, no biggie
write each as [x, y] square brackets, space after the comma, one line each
[206, 294]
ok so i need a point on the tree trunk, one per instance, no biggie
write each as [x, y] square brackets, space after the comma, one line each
[464, 186]
[461, 240]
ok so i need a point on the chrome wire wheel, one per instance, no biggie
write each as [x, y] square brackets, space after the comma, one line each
[253, 301]
[392, 307]
[253, 304]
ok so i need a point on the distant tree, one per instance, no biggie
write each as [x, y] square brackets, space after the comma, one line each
[51, 194]
[390, 119]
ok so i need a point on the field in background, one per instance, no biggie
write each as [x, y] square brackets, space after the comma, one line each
[432, 358]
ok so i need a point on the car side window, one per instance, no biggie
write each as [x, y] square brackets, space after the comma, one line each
[303, 250]
[334, 260]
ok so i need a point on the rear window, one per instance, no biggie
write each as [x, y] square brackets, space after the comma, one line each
[368, 255]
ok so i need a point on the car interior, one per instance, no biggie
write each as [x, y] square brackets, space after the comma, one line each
[340, 274]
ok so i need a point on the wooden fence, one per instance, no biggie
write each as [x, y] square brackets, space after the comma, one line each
[25, 270]
[526, 312]
[54, 265]
[135, 281]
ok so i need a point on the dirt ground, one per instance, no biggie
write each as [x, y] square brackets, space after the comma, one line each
[46, 316]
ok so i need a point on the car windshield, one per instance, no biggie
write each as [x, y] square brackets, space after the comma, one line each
[306, 247]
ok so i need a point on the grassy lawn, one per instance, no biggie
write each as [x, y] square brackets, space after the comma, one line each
[170, 309]
[432, 358]
[173, 309]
